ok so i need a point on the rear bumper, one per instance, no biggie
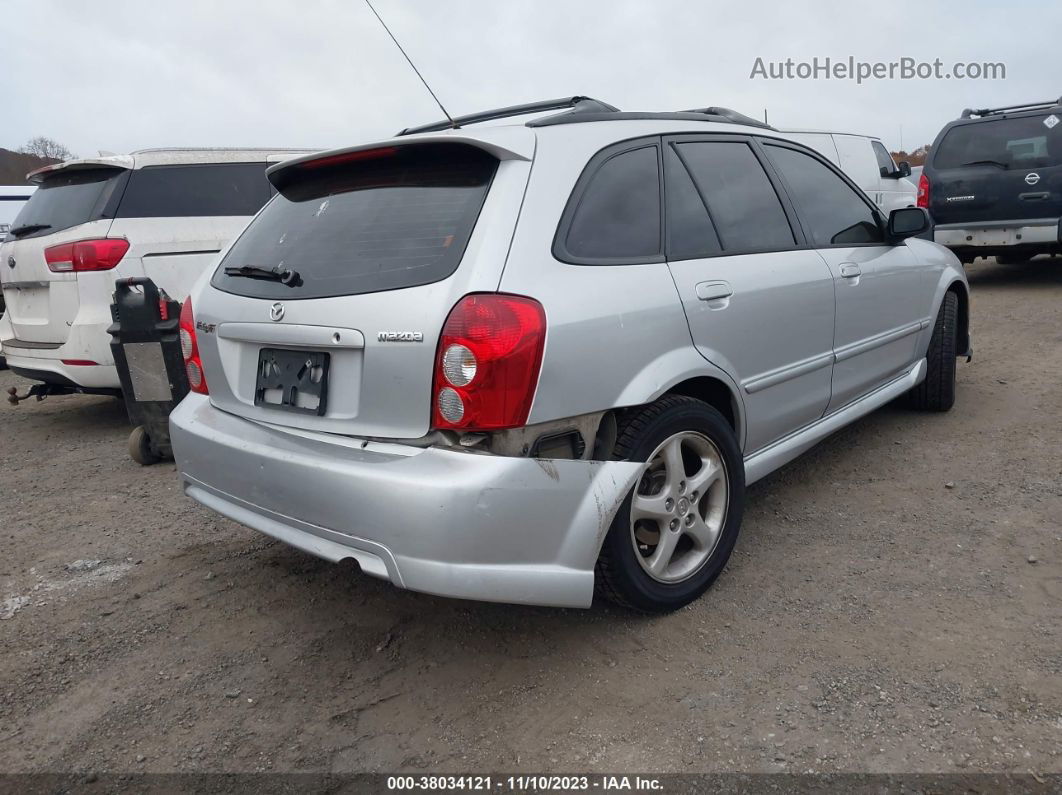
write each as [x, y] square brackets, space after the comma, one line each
[446, 522]
[992, 236]
[45, 362]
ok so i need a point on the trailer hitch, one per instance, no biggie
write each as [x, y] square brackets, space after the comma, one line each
[39, 391]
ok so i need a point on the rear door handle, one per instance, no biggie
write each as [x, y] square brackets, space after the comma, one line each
[850, 270]
[713, 291]
[1034, 197]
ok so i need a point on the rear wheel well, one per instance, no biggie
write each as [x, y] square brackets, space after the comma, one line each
[963, 341]
[713, 392]
[705, 389]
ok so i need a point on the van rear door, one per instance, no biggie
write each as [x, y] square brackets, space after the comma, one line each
[998, 170]
[72, 203]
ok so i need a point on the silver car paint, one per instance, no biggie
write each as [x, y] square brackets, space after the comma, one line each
[443, 521]
[783, 368]
[516, 529]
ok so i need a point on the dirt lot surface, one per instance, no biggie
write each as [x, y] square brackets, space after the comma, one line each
[894, 604]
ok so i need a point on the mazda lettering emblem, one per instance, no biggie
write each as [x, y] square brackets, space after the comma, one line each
[276, 311]
[1032, 178]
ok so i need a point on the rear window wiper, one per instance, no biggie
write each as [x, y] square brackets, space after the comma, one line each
[275, 274]
[986, 163]
[25, 229]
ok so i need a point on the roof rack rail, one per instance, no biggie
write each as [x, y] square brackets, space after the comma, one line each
[971, 113]
[731, 115]
[578, 104]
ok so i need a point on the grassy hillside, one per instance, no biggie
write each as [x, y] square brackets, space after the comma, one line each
[14, 166]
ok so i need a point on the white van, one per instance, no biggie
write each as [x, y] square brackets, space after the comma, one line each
[160, 213]
[865, 159]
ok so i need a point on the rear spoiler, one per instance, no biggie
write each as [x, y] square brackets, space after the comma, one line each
[504, 143]
[81, 164]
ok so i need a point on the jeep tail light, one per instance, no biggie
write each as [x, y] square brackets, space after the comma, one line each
[86, 255]
[488, 361]
[923, 191]
[193, 365]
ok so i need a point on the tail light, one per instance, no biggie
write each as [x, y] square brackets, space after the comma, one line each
[193, 365]
[487, 365]
[923, 191]
[86, 255]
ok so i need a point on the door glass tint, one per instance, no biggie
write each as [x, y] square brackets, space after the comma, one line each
[1024, 142]
[189, 191]
[690, 233]
[885, 162]
[618, 215]
[397, 220]
[743, 205]
[833, 213]
[66, 199]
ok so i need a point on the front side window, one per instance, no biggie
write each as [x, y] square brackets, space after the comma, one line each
[744, 208]
[831, 210]
[618, 214]
[885, 162]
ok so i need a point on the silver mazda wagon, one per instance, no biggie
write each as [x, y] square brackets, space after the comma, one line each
[525, 361]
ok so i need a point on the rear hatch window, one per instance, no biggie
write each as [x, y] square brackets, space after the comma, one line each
[364, 222]
[65, 199]
[1019, 143]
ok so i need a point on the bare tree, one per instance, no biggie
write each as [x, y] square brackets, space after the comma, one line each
[42, 146]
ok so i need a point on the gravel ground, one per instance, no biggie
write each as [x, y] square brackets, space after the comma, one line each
[893, 605]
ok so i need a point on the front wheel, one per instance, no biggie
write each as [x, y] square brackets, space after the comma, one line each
[673, 534]
[937, 391]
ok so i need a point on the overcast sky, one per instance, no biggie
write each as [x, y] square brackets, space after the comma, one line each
[120, 75]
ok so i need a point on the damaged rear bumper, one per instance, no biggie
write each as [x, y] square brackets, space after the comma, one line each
[447, 522]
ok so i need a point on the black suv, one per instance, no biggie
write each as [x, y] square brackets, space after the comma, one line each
[993, 183]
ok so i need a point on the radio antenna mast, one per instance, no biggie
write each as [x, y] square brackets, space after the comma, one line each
[449, 118]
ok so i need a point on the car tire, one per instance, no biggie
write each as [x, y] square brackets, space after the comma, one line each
[629, 570]
[140, 449]
[937, 391]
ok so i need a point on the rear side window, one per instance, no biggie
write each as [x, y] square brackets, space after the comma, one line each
[617, 215]
[743, 205]
[384, 220]
[1024, 142]
[690, 233]
[65, 199]
[833, 211]
[196, 190]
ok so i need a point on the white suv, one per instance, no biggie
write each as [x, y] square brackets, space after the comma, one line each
[160, 213]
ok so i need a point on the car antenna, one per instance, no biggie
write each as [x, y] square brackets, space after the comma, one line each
[449, 118]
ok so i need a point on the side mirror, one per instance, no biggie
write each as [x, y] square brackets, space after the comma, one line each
[906, 222]
[903, 169]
